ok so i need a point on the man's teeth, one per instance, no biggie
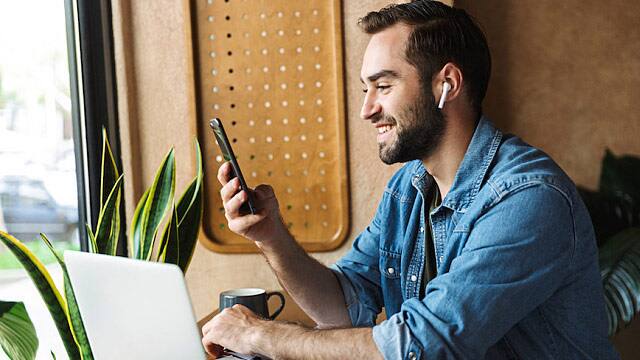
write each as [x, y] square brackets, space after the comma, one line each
[384, 129]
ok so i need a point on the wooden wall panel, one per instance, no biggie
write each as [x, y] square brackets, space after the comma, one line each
[273, 73]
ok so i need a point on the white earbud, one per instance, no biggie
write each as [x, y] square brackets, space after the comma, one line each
[445, 90]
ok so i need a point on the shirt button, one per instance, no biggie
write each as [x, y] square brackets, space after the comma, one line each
[391, 270]
[421, 229]
[412, 356]
[414, 278]
[440, 258]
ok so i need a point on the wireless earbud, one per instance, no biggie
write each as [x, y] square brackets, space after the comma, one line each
[445, 90]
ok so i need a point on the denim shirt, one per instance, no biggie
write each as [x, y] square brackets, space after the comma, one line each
[517, 270]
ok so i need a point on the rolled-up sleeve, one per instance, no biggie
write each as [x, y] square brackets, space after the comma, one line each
[517, 254]
[359, 276]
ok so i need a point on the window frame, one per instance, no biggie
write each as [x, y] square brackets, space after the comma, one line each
[94, 104]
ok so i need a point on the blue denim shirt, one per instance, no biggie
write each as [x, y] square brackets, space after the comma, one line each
[516, 260]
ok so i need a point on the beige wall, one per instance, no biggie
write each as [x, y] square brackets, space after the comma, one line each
[566, 79]
[566, 76]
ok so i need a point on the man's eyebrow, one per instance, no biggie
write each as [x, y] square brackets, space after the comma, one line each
[383, 73]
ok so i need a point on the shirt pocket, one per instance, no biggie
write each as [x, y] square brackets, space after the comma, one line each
[389, 264]
[390, 282]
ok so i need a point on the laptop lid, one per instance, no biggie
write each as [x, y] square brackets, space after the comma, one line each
[133, 309]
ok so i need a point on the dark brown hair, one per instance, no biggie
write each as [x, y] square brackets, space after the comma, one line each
[440, 34]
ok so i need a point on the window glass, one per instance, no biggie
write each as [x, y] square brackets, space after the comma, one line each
[38, 189]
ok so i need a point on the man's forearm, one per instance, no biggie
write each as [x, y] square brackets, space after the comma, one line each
[289, 341]
[312, 285]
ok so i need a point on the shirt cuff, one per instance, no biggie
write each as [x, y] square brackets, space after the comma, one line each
[360, 314]
[394, 340]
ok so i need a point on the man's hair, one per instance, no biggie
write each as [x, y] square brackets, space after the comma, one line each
[440, 34]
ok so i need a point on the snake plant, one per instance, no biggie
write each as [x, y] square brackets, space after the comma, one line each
[615, 212]
[175, 244]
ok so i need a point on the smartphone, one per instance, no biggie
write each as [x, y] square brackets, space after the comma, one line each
[248, 207]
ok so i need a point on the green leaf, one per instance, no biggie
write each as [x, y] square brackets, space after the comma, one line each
[190, 207]
[620, 272]
[616, 206]
[609, 215]
[135, 240]
[17, 334]
[158, 201]
[169, 248]
[620, 177]
[109, 171]
[108, 228]
[93, 247]
[48, 290]
[72, 306]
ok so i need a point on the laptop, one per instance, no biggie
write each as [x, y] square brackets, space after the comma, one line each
[133, 309]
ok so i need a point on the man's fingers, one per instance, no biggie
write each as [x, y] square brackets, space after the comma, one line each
[229, 189]
[232, 206]
[224, 173]
[212, 348]
[205, 328]
[242, 224]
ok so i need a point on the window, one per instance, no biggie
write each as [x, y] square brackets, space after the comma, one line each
[38, 187]
[56, 93]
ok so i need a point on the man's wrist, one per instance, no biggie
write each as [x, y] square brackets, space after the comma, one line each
[267, 334]
[260, 337]
[275, 243]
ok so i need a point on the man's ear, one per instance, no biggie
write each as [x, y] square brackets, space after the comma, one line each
[451, 74]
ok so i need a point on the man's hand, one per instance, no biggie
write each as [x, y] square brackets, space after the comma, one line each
[236, 328]
[266, 225]
[240, 330]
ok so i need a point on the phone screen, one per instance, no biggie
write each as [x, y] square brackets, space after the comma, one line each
[228, 155]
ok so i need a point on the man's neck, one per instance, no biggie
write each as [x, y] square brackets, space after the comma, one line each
[444, 162]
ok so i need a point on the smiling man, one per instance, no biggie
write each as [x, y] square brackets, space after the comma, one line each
[480, 247]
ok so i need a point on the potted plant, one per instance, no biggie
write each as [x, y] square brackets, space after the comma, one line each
[175, 244]
[615, 212]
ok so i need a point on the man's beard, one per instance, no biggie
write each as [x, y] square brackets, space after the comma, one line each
[419, 134]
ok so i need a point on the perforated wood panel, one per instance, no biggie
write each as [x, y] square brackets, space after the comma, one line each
[273, 72]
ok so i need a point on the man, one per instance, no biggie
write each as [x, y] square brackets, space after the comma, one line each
[480, 247]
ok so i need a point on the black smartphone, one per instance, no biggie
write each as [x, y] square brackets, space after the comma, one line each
[227, 152]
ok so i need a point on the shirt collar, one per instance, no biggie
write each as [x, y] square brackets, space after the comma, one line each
[473, 168]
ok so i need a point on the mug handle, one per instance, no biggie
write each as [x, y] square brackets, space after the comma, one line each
[279, 310]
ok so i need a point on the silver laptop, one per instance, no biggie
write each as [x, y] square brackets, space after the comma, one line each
[134, 309]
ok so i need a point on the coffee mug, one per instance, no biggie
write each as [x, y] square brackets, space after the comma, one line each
[254, 299]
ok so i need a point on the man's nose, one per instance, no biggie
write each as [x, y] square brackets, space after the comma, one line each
[370, 107]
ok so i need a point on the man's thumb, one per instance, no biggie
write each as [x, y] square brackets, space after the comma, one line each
[264, 192]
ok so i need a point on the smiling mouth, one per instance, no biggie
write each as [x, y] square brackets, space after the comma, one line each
[385, 128]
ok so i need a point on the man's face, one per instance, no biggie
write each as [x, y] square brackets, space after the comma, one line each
[402, 109]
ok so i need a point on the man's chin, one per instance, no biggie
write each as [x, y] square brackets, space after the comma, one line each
[393, 156]
[387, 156]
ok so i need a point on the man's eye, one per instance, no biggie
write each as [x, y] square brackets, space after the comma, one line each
[382, 87]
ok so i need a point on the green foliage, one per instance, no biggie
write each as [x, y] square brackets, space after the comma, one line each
[17, 334]
[56, 304]
[152, 210]
[108, 228]
[176, 246]
[72, 307]
[620, 271]
[615, 212]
